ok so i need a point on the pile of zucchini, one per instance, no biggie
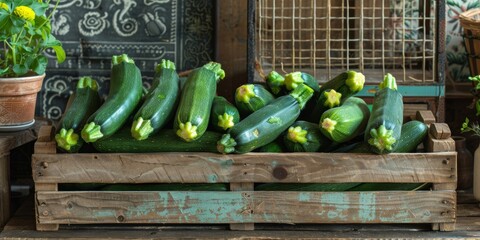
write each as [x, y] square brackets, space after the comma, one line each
[290, 113]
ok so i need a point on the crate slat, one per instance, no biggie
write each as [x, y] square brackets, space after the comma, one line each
[245, 206]
[252, 167]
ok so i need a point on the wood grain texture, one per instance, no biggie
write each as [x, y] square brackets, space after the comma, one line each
[251, 167]
[439, 145]
[246, 206]
[426, 117]
[231, 45]
[38, 204]
[242, 187]
[440, 131]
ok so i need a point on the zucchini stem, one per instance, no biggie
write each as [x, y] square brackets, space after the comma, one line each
[91, 132]
[302, 94]
[141, 129]
[66, 139]
[187, 131]
[117, 59]
[226, 144]
[333, 98]
[381, 138]
[225, 121]
[87, 82]
[165, 64]
[355, 81]
[275, 82]
[297, 134]
[388, 82]
[244, 93]
[292, 80]
[329, 124]
[216, 68]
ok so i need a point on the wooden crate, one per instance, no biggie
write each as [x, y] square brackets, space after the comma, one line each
[241, 207]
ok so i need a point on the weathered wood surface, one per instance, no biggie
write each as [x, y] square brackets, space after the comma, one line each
[426, 116]
[440, 131]
[242, 187]
[439, 145]
[251, 167]
[245, 206]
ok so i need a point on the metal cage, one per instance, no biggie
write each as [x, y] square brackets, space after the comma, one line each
[326, 37]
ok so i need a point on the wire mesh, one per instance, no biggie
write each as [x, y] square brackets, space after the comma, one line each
[326, 37]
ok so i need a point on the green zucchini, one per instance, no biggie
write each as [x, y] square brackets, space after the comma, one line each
[294, 79]
[384, 126]
[193, 112]
[343, 123]
[167, 187]
[347, 84]
[166, 140]
[328, 99]
[266, 124]
[224, 115]
[305, 136]
[307, 187]
[84, 101]
[124, 95]
[364, 187]
[413, 133]
[160, 102]
[275, 83]
[276, 146]
[251, 97]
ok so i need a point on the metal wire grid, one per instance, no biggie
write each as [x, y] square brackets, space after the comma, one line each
[326, 37]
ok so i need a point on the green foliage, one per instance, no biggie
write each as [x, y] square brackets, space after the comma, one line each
[25, 34]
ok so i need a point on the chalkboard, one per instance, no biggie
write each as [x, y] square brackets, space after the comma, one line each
[92, 31]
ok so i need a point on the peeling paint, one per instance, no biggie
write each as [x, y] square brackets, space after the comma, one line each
[304, 197]
[367, 203]
[336, 205]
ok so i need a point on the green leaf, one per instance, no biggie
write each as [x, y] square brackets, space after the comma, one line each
[60, 53]
[39, 64]
[20, 69]
[39, 8]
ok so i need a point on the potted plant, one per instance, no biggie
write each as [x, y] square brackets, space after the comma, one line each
[25, 35]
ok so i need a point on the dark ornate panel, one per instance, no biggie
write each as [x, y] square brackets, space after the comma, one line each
[147, 30]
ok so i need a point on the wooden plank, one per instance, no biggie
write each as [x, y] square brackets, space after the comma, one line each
[251, 167]
[46, 133]
[39, 187]
[4, 189]
[231, 47]
[242, 187]
[440, 131]
[229, 207]
[439, 145]
[426, 116]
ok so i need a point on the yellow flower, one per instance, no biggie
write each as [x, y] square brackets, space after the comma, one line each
[25, 13]
[4, 6]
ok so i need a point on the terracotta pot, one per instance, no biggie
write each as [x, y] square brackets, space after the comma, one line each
[18, 96]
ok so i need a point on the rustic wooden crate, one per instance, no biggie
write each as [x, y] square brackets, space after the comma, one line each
[241, 207]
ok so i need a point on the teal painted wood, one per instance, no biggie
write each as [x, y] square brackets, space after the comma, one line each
[408, 91]
[246, 207]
